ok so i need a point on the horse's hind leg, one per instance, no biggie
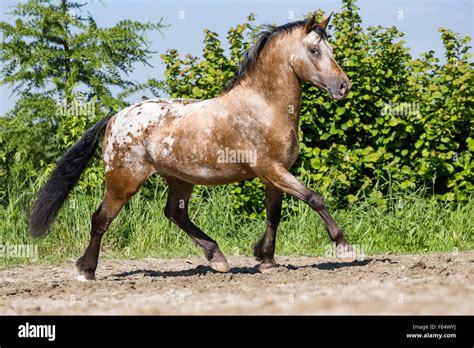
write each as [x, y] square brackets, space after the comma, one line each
[264, 250]
[177, 211]
[120, 186]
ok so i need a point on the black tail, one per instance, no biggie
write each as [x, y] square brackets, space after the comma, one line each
[62, 180]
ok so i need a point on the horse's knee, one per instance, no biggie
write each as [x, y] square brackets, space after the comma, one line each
[316, 201]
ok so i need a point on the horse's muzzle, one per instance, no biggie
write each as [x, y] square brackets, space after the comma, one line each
[341, 91]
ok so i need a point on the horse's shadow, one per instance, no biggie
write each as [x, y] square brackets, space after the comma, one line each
[199, 270]
[329, 266]
[204, 270]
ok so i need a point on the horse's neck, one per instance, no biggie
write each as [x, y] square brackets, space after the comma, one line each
[274, 83]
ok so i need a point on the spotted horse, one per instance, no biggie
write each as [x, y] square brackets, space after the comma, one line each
[182, 139]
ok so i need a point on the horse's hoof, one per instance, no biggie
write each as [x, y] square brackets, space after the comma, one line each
[266, 267]
[83, 278]
[85, 273]
[222, 267]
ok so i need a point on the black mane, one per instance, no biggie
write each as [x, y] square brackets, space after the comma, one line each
[268, 32]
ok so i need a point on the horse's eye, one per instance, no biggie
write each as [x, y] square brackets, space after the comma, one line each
[314, 51]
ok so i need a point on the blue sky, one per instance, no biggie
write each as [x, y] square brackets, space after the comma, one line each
[418, 19]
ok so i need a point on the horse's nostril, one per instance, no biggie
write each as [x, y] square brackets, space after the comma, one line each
[343, 88]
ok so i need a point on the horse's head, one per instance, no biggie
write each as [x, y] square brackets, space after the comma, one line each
[313, 61]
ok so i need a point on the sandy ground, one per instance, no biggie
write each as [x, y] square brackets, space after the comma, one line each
[384, 284]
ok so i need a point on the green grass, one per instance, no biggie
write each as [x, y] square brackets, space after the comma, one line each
[405, 223]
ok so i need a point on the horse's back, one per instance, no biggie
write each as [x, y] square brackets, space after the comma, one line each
[147, 131]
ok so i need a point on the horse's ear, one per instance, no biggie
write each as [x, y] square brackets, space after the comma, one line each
[310, 23]
[324, 23]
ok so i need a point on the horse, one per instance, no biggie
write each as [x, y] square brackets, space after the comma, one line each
[183, 140]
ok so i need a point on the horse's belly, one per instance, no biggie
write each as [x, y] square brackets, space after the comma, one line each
[205, 172]
[206, 176]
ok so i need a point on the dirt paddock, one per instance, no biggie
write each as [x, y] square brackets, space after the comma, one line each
[437, 283]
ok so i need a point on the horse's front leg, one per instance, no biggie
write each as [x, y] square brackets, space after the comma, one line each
[279, 177]
[264, 250]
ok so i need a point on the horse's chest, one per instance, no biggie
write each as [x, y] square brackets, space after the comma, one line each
[289, 149]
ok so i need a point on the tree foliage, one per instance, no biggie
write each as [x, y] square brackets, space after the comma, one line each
[52, 46]
[62, 66]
